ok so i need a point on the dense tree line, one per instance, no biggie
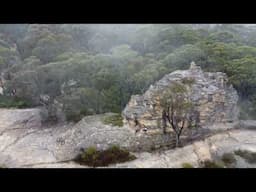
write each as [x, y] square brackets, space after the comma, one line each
[95, 68]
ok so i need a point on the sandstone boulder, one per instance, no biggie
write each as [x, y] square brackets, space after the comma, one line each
[214, 98]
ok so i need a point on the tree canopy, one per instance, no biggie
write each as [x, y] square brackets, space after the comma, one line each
[95, 68]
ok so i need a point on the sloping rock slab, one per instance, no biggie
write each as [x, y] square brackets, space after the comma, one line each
[24, 141]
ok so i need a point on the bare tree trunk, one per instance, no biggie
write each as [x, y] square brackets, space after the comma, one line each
[164, 121]
[164, 126]
[177, 140]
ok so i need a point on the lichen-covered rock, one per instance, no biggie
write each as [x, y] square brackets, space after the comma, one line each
[214, 99]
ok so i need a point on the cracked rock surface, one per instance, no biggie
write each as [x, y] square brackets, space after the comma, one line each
[24, 142]
[213, 97]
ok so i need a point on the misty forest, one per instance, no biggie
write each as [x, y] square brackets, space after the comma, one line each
[73, 73]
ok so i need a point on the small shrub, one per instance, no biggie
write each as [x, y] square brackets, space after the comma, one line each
[90, 155]
[74, 117]
[96, 158]
[77, 115]
[212, 164]
[228, 158]
[187, 165]
[12, 102]
[115, 120]
[85, 112]
[90, 152]
[250, 157]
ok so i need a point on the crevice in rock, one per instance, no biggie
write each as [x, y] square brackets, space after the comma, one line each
[18, 139]
[13, 129]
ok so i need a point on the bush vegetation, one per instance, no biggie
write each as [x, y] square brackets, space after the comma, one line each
[74, 117]
[249, 156]
[10, 102]
[228, 159]
[211, 164]
[187, 165]
[98, 67]
[101, 158]
[115, 120]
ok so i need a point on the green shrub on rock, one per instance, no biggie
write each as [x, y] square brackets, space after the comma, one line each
[115, 120]
[100, 158]
[249, 156]
[187, 165]
[11, 102]
[212, 164]
[90, 155]
[228, 158]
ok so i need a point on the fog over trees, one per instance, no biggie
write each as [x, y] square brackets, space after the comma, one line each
[95, 68]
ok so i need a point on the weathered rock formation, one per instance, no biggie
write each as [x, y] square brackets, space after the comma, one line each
[24, 141]
[214, 99]
[27, 143]
[211, 149]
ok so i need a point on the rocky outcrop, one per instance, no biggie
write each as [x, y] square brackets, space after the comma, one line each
[214, 99]
[25, 142]
[210, 148]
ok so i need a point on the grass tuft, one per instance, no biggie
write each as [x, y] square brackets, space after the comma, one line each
[115, 120]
